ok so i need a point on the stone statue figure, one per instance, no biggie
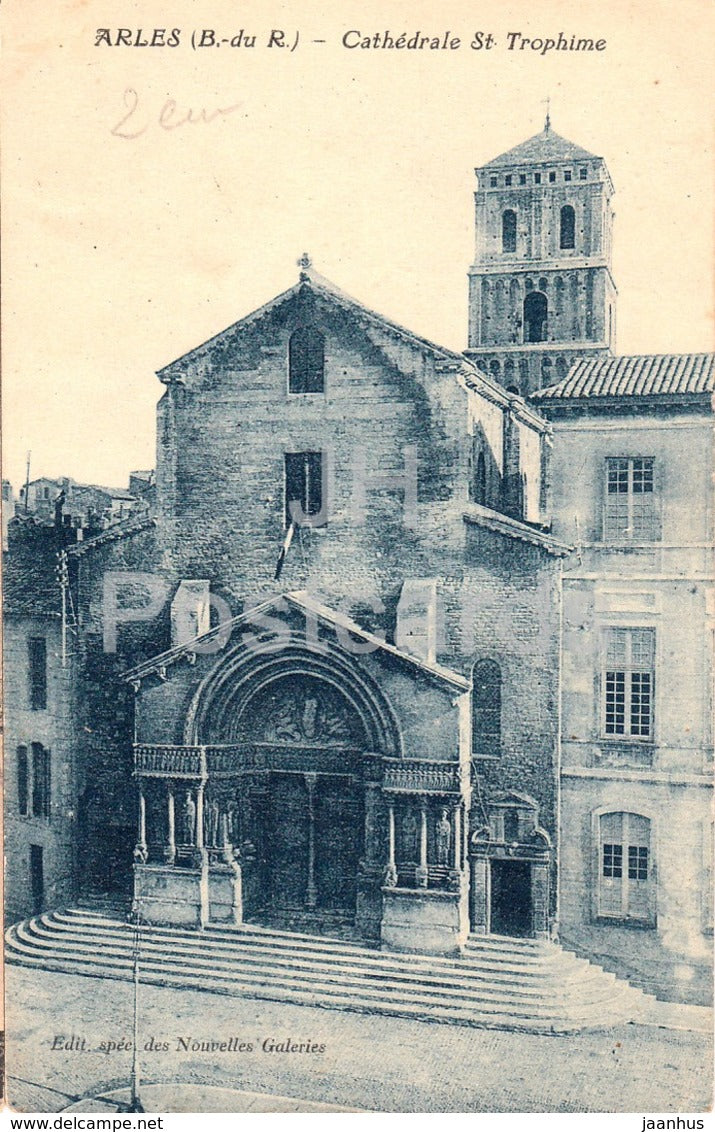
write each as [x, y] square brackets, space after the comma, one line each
[232, 822]
[212, 822]
[410, 836]
[443, 838]
[189, 829]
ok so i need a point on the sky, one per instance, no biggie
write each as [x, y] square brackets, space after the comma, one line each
[131, 235]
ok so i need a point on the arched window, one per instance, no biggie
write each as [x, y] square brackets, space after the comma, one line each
[486, 708]
[535, 312]
[479, 485]
[306, 361]
[567, 229]
[508, 230]
[625, 867]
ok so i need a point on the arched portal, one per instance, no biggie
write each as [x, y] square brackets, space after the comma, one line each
[289, 738]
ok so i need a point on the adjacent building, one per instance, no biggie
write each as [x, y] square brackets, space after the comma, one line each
[632, 493]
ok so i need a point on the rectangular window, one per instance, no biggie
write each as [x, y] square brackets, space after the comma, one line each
[567, 175]
[493, 182]
[37, 672]
[628, 683]
[637, 862]
[612, 860]
[23, 782]
[552, 178]
[630, 512]
[537, 178]
[522, 178]
[508, 179]
[304, 494]
[583, 174]
[41, 784]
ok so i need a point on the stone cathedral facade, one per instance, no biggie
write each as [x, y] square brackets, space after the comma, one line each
[400, 649]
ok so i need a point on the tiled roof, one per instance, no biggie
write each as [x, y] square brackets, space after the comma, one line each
[546, 146]
[641, 375]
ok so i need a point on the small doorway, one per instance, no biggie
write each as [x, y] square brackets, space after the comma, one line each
[37, 879]
[511, 910]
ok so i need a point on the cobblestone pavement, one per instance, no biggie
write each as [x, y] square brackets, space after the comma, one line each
[339, 1058]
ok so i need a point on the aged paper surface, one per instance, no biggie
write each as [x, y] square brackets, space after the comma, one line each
[167, 172]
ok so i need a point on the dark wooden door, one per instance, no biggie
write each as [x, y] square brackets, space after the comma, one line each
[511, 898]
[287, 841]
[339, 827]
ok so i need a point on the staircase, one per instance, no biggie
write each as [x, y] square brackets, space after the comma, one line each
[505, 983]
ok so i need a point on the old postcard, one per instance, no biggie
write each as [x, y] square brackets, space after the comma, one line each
[358, 577]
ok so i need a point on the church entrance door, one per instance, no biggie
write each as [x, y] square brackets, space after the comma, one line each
[511, 909]
[313, 843]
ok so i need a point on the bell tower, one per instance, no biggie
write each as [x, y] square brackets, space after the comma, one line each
[541, 292]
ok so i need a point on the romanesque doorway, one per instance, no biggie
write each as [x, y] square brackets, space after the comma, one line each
[511, 906]
[298, 797]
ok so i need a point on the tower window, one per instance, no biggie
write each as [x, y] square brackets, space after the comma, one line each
[567, 231]
[304, 495]
[583, 174]
[486, 708]
[306, 361]
[535, 314]
[508, 231]
[508, 179]
[493, 182]
[552, 178]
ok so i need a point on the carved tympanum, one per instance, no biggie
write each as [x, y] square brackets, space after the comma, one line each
[301, 711]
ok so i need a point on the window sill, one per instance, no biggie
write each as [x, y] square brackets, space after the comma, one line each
[625, 922]
[627, 544]
[483, 757]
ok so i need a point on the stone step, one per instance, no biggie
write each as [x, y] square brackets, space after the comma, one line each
[302, 945]
[500, 982]
[247, 946]
[388, 979]
[472, 1012]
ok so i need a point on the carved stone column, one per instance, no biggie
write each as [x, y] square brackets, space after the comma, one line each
[391, 867]
[199, 852]
[457, 827]
[422, 872]
[311, 892]
[372, 798]
[140, 852]
[170, 848]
